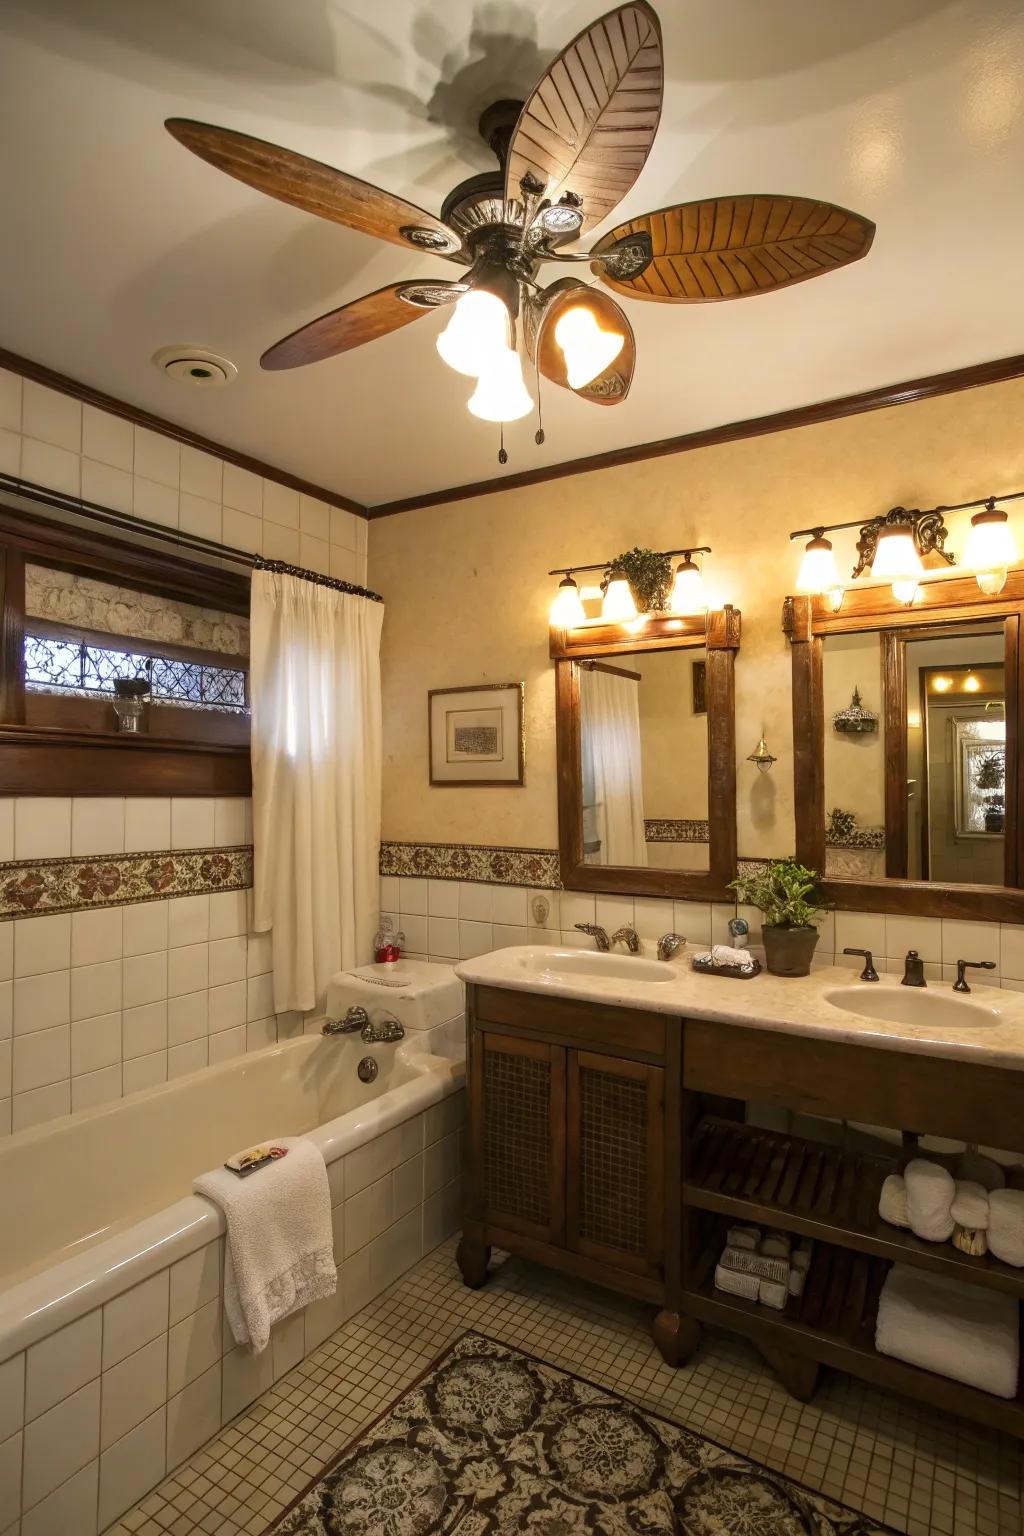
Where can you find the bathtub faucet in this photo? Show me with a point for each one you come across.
(384, 1031)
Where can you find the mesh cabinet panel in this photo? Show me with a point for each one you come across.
(517, 1135)
(613, 1160)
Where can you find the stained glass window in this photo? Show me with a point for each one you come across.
(57, 664)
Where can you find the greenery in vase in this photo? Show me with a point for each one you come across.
(784, 892)
(989, 770)
(649, 576)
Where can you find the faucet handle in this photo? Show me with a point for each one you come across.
(960, 985)
(668, 944)
(868, 973)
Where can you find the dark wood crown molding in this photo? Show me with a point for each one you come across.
(89, 396)
(995, 372)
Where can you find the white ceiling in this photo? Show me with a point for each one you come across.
(114, 241)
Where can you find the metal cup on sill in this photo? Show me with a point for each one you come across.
(130, 695)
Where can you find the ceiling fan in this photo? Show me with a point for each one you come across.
(567, 157)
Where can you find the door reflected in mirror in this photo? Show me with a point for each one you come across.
(644, 760)
(929, 708)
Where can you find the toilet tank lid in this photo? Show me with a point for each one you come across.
(414, 975)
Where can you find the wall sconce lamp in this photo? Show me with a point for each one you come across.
(761, 757)
(990, 548)
(686, 596)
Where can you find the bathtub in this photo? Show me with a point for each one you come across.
(101, 1236)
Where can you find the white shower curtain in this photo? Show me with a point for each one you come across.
(316, 771)
(612, 767)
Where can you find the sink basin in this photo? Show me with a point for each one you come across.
(919, 1006)
(584, 962)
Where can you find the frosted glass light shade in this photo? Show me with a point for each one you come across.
(818, 570)
(476, 333)
(587, 348)
(688, 594)
(567, 609)
(990, 550)
(618, 605)
(896, 557)
(500, 393)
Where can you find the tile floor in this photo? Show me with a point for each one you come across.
(899, 1462)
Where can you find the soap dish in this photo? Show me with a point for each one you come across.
(709, 967)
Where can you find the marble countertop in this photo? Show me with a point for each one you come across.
(993, 1035)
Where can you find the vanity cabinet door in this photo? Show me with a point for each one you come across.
(615, 1161)
(520, 1090)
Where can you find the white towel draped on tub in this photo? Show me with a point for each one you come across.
(949, 1327)
(280, 1246)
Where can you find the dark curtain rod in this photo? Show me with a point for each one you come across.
(602, 565)
(124, 522)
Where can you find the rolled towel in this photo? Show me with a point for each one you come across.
(743, 1237)
(1006, 1225)
(776, 1245)
(759, 1264)
(930, 1191)
(279, 1254)
(970, 1205)
(957, 1330)
(892, 1201)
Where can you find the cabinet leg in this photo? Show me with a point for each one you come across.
(676, 1336)
(798, 1373)
(473, 1257)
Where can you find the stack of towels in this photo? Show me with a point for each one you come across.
(976, 1213)
(280, 1244)
(947, 1326)
(764, 1268)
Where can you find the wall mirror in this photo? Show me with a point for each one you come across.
(905, 728)
(646, 755)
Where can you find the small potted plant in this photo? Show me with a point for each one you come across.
(784, 893)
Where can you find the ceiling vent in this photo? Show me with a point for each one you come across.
(194, 365)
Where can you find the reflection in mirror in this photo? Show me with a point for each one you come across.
(854, 757)
(644, 758)
(956, 757)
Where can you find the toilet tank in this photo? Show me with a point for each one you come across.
(419, 993)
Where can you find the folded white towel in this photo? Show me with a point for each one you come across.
(892, 1201)
(1006, 1225)
(930, 1191)
(776, 1245)
(280, 1246)
(970, 1205)
(735, 1284)
(956, 1330)
(743, 1237)
(773, 1293)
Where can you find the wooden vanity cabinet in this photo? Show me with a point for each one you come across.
(574, 1156)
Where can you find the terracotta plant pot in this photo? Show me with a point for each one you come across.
(788, 951)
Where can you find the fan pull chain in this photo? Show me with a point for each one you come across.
(502, 455)
(538, 436)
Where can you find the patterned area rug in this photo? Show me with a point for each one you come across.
(491, 1442)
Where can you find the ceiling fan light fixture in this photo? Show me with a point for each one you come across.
(588, 348)
(476, 334)
(688, 594)
(500, 393)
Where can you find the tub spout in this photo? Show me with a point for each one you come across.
(355, 1019)
(382, 1031)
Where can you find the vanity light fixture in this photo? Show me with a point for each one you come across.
(761, 757)
(971, 684)
(618, 606)
(688, 594)
(819, 574)
(686, 597)
(990, 548)
(896, 560)
(941, 684)
(567, 609)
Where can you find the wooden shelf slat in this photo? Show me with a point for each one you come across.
(822, 1193)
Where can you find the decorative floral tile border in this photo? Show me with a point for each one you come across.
(669, 829)
(857, 837)
(38, 887)
(472, 861)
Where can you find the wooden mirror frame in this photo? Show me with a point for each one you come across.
(719, 633)
(956, 601)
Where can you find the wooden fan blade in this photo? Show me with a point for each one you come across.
(610, 387)
(373, 315)
(728, 247)
(316, 188)
(590, 123)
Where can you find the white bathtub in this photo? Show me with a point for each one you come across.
(99, 1204)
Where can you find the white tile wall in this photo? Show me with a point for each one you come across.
(97, 1004)
(455, 920)
(53, 440)
(96, 1414)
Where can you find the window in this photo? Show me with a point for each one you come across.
(65, 664)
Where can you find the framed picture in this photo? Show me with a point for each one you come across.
(700, 679)
(476, 734)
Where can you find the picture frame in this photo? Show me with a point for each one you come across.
(476, 735)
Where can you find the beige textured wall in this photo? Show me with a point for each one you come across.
(468, 594)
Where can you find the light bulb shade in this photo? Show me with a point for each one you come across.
(688, 595)
(476, 333)
(567, 609)
(896, 557)
(500, 393)
(990, 550)
(905, 591)
(588, 349)
(618, 605)
(818, 571)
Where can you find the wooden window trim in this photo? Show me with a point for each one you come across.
(65, 745)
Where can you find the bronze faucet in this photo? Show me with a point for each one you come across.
(913, 970)
(629, 937)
